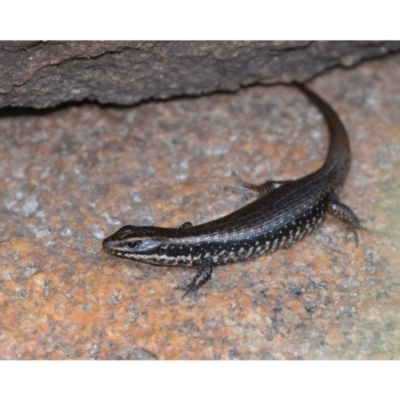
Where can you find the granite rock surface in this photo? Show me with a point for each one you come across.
(45, 74)
(74, 175)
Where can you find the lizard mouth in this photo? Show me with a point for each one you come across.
(112, 246)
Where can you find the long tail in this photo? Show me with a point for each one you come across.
(338, 158)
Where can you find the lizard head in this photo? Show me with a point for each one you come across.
(135, 242)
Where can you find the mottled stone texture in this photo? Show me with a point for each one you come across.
(43, 74)
(74, 175)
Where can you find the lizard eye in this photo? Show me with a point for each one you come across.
(133, 245)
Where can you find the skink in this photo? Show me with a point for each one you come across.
(283, 213)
